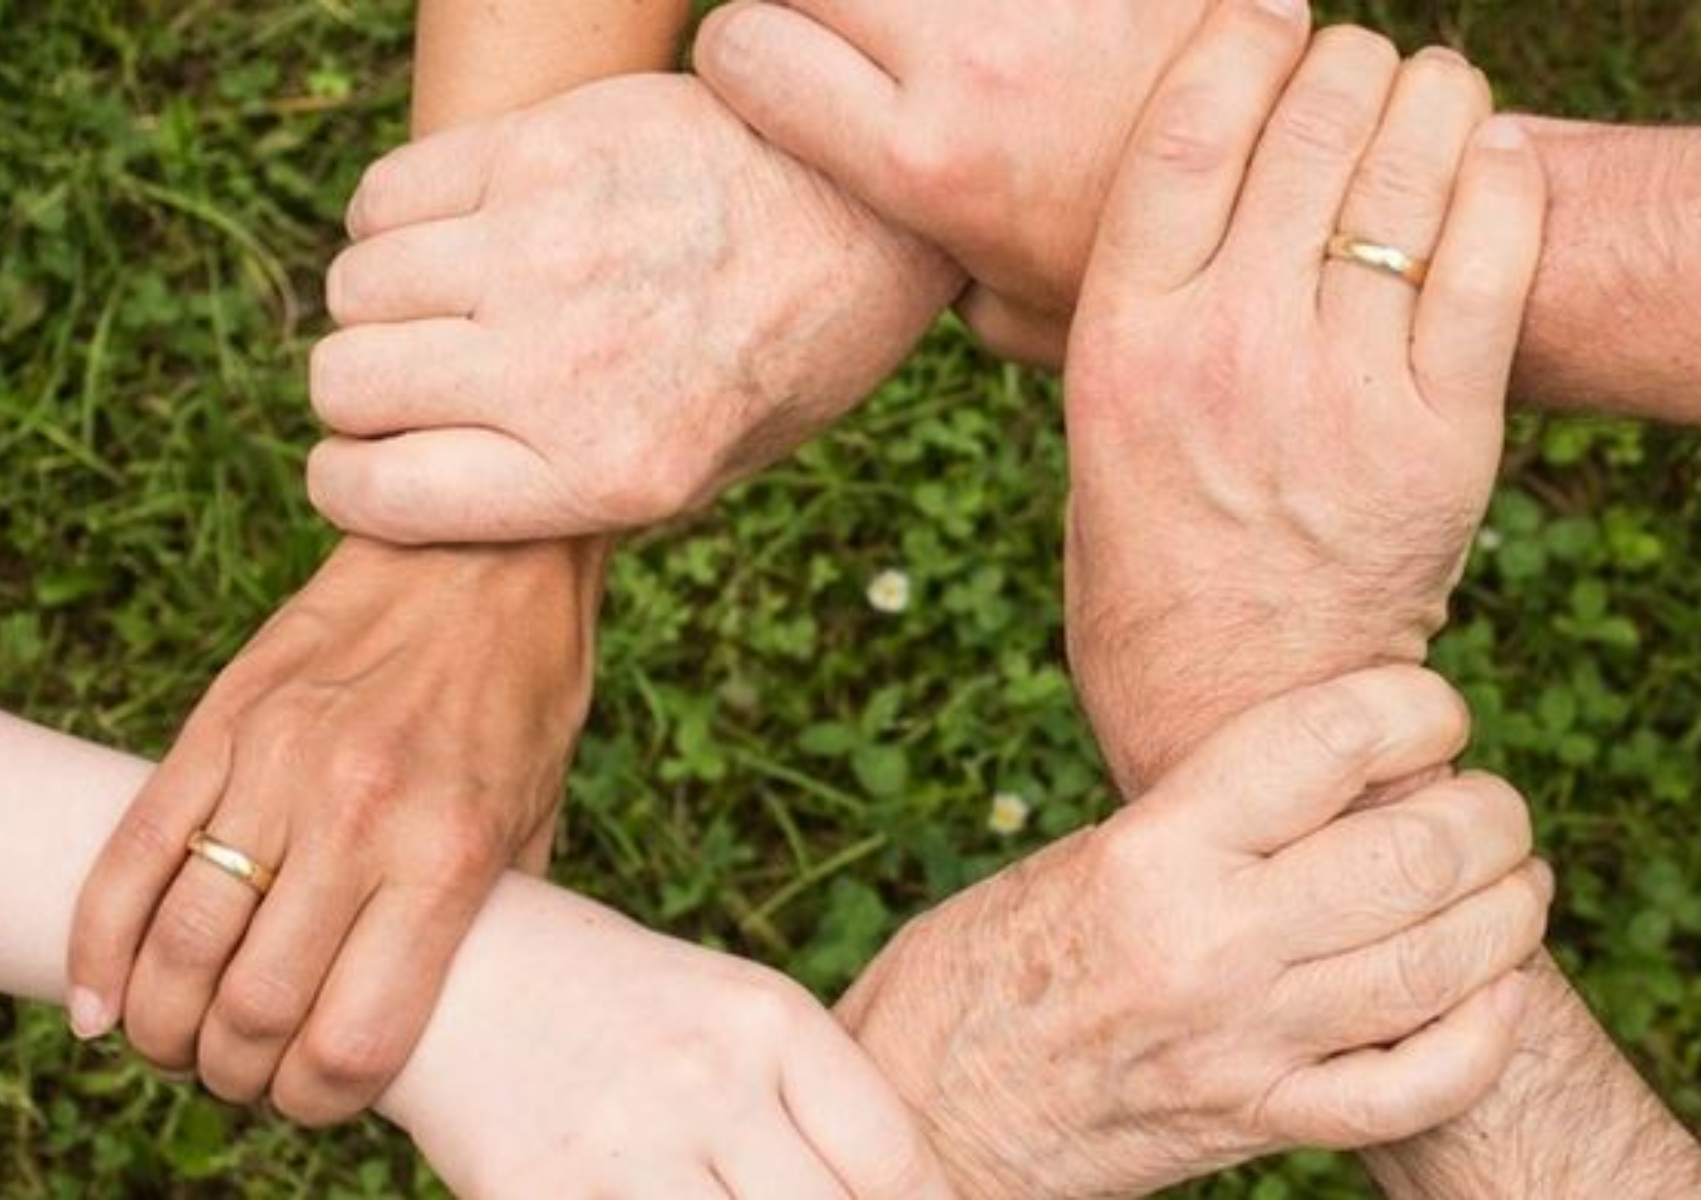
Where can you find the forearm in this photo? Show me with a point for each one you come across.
(1571, 1118)
(480, 60)
(1611, 325)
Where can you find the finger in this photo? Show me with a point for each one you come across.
(1401, 194)
(767, 1159)
(809, 92)
(409, 273)
(270, 986)
(1309, 154)
(882, 31)
(136, 867)
(1383, 993)
(374, 1005)
(1373, 873)
(1016, 332)
(1471, 314)
(1187, 158)
(195, 933)
(1288, 767)
(1370, 1097)
(433, 179)
(856, 1123)
(377, 380)
(461, 485)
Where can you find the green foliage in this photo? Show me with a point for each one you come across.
(774, 766)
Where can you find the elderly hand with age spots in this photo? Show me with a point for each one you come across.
(1240, 964)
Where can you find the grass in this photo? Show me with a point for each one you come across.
(773, 767)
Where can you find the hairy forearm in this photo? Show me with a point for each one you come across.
(1611, 324)
(1571, 1118)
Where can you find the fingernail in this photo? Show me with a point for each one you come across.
(90, 1017)
(1288, 9)
(1511, 997)
(1503, 133)
(1545, 878)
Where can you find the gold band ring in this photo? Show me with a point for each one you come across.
(231, 861)
(1344, 247)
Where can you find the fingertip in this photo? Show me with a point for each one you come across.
(92, 1015)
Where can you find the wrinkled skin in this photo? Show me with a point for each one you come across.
(595, 314)
(1230, 968)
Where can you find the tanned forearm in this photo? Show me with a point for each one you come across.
(1612, 323)
(475, 61)
(480, 60)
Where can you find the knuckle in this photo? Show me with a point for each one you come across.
(1425, 971)
(1443, 60)
(1400, 186)
(369, 778)
(1335, 721)
(190, 933)
(930, 168)
(259, 1007)
(1502, 809)
(372, 195)
(774, 1007)
(996, 62)
(1319, 121)
(341, 280)
(332, 378)
(1428, 864)
(344, 1055)
(1366, 48)
(1185, 134)
(467, 851)
(144, 838)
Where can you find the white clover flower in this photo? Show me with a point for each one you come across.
(1009, 815)
(890, 592)
(1490, 539)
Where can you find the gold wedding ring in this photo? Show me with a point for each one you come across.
(231, 861)
(1344, 247)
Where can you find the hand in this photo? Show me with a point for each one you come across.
(594, 315)
(991, 127)
(1230, 968)
(1278, 462)
(575, 1054)
(390, 741)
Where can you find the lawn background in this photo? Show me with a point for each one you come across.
(773, 767)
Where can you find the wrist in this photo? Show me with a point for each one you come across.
(1155, 687)
(1622, 253)
(1570, 1117)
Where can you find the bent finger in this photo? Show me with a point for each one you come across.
(1187, 159)
(1471, 314)
(1373, 873)
(375, 1004)
(411, 273)
(270, 986)
(379, 380)
(1370, 1097)
(1395, 988)
(136, 868)
(436, 178)
(1283, 770)
(857, 1123)
(451, 485)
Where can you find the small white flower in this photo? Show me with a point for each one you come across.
(1009, 815)
(890, 592)
(1490, 540)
